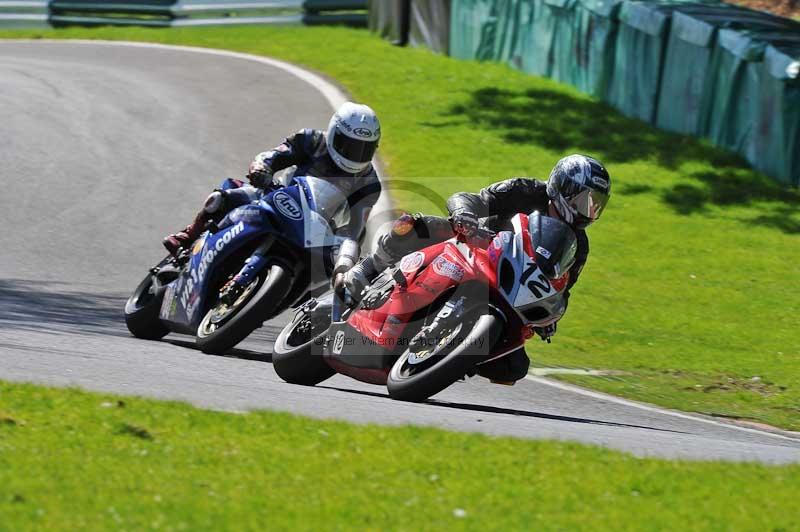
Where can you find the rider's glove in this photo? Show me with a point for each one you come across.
(546, 332)
(259, 174)
(465, 223)
(346, 257)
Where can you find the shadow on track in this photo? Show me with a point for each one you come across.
(244, 354)
(40, 306)
(510, 411)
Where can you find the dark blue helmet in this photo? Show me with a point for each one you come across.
(579, 188)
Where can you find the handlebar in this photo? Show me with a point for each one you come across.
(481, 239)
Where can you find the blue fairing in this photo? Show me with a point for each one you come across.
(282, 212)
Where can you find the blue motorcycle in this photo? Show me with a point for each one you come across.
(256, 262)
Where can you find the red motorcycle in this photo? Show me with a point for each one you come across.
(442, 314)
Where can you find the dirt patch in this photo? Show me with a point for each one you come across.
(784, 8)
(732, 384)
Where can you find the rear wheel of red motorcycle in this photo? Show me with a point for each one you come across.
(297, 354)
(445, 363)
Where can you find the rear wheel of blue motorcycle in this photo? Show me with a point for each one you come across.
(446, 362)
(142, 310)
(223, 328)
(297, 354)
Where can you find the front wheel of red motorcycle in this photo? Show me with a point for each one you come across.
(422, 372)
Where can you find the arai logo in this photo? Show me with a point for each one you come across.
(287, 206)
(362, 132)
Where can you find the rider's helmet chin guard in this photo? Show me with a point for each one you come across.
(352, 138)
(579, 188)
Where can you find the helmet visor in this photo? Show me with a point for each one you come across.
(356, 150)
(589, 204)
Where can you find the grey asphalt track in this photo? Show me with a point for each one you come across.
(105, 149)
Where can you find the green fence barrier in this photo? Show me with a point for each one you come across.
(640, 46)
(569, 40)
(596, 24)
(753, 104)
(777, 130)
(429, 24)
(537, 39)
(684, 95)
(389, 19)
(468, 20)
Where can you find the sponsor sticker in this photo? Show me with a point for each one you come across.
(191, 306)
(444, 267)
(599, 181)
(362, 132)
(168, 303)
(197, 275)
(198, 245)
(411, 263)
(338, 343)
(543, 252)
(247, 214)
(287, 206)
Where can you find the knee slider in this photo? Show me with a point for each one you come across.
(403, 225)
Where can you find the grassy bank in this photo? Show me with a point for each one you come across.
(691, 290)
(71, 460)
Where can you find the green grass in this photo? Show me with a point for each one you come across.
(71, 460)
(692, 285)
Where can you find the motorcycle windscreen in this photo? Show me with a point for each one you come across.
(326, 211)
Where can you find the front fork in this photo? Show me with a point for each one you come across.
(252, 267)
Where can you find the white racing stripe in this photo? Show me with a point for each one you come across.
(786, 435)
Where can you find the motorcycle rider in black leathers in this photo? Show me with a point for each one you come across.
(576, 192)
(341, 155)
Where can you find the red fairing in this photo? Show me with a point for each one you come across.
(527, 246)
(560, 283)
(429, 273)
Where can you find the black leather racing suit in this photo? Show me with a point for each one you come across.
(495, 204)
(500, 201)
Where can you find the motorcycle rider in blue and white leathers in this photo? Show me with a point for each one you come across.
(342, 155)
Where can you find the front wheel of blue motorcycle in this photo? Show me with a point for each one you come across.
(225, 325)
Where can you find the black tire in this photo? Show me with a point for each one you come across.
(262, 303)
(142, 310)
(297, 357)
(448, 365)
